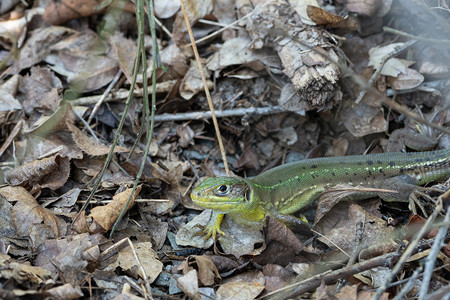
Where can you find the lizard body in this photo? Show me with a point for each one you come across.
(288, 188)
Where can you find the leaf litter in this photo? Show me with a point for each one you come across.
(58, 60)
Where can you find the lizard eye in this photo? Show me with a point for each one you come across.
(223, 188)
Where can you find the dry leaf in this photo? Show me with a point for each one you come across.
(10, 107)
(30, 219)
(89, 145)
(147, 256)
(344, 232)
(277, 231)
(249, 158)
(333, 195)
(192, 83)
(165, 9)
(188, 283)
(186, 135)
(61, 11)
(104, 217)
(434, 69)
(125, 52)
(51, 172)
(207, 271)
(22, 272)
(41, 90)
(236, 51)
(54, 123)
(65, 291)
(300, 7)
(239, 290)
(321, 17)
(195, 9)
(409, 80)
(363, 119)
(38, 46)
(67, 256)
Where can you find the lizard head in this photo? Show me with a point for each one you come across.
(224, 194)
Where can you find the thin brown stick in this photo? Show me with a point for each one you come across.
(105, 93)
(416, 37)
(432, 256)
(328, 277)
(122, 94)
(409, 250)
(208, 95)
(219, 114)
(11, 137)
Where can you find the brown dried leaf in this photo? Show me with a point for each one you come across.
(166, 9)
(290, 100)
(38, 46)
(98, 72)
(344, 232)
(281, 246)
(89, 145)
(207, 271)
(125, 52)
(277, 231)
(65, 291)
(241, 239)
(147, 256)
(192, 83)
(30, 219)
(186, 135)
(249, 158)
(56, 122)
(239, 290)
(104, 217)
(188, 283)
(23, 273)
(41, 90)
(173, 173)
(66, 256)
(236, 51)
(322, 17)
(9, 106)
(51, 172)
(432, 68)
(406, 81)
(333, 195)
(195, 9)
(37, 146)
(59, 12)
(276, 277)
(157, 229)
(174, 57)
(363, 119)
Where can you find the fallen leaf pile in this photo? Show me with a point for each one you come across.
(66, 70)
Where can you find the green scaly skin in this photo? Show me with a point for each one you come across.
(286, 189)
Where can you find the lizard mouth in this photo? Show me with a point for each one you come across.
(213, 203)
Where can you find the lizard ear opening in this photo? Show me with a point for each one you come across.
(247, 194)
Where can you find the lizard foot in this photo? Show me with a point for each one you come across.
(212, 227)
(208, 230)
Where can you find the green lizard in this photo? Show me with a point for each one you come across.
(284, 190)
